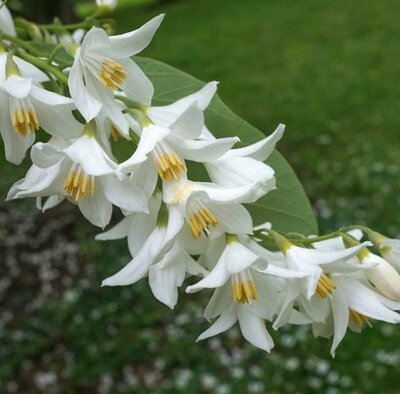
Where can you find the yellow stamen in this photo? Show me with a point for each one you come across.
(325, 286)
(244, 291)
(112, 74)
(25, 121)
(358, 318)
(170, 166)
(200, 220)
(79, 184)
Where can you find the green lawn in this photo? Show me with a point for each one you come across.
(329, 70)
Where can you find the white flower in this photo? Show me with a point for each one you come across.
(251, 318)
(26, 107)
(238, 264)
(6, 20)
(102, 64)
(82, 172)
(160, 255)
(382, 275)
(209, 209)
(314, 262)
(166, 148)
(245, 165)
(317, 265)
(247, 289)
(389, 248)
(352, 304)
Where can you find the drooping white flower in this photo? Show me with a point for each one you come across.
(6, 21)
(167, 148)
(317, 285)
(26, 107)
(247, 289)
(160, 256)
(314, 262)
(245, 165)
(82, 172)
(209, 209)
(251, 318)
(351, 304)
(102, 65)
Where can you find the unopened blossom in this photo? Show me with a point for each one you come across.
(388, 247)
(382, 275)
(106, 5)
(81, 171)
(103, 65)
(25, 107)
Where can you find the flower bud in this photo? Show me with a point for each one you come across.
(383, 276)
(105, 6)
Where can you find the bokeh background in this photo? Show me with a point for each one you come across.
(329, 70)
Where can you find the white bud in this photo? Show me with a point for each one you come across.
(108, 5)
(383, 276)
(390, 250)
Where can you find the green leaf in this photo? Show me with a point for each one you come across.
(62, 57)
(287, 208)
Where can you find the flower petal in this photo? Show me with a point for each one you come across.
(138, 86)
(253, 330)
(88, 105)
(97, 209)
(223, 323)
(124, 194)
(167, 114)
(239, 171)
(139, 266)
(261, 150)
(340, 311)
(189, 124)
(201, 150)
(131, 43)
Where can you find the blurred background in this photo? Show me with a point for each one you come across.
(327, 69)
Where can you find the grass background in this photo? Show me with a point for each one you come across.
(328, 70)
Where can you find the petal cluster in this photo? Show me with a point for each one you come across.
(182, 228)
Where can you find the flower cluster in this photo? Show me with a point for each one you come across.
(177, 227)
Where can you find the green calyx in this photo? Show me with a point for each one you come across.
(162, 218)
(283, 243)
(350, 242)
(11, 67)
(90, 129)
